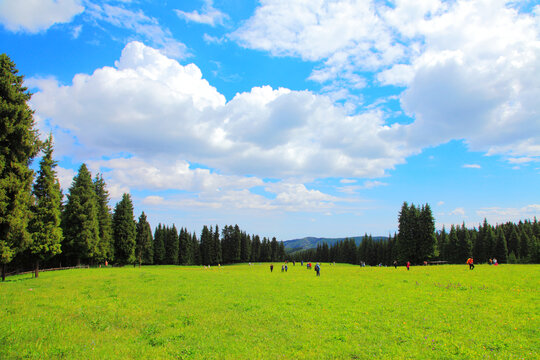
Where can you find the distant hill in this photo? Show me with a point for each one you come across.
(312, 242)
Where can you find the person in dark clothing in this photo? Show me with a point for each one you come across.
(408, 265)
(318, 269)
(271, 267)
(395, 264)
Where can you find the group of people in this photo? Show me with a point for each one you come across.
(284, 268)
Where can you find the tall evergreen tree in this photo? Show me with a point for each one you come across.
(256, 248)
(172, 245)
(464, 245)
(124, 231)
(45, 223)
(425, 233)
(216, 247)
(19, 145)
(206, 246)
(144, 242)
(196, 247)
(105, 246)
(186, 249)
(159, 245)
(80, 218)
(501, 251)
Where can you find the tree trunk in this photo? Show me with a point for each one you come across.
(36, 269)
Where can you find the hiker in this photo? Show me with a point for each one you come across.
(271, 267)
(408, 265)
(285, 267)
(495, 263)
(318, 269)
(282, 268)
(395, 264)
(470, 262)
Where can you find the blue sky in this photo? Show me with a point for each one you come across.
(290, 118)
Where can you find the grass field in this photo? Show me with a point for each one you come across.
(246, 312)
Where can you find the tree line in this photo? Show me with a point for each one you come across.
(417, 241)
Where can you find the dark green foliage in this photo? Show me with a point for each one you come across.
(416, 237)
(500, 251)
(19, 144)
(144, 242)
(80, 218)
(172, 246)
(196, 246)
(463, 246)
(186, 248)
(124, 231)
(216, 248)
(207, 255)
(45, 223)
(256, 248)
(105, 246)
(159, 245)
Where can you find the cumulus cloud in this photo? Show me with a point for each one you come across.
(150, 106)
(209, 15)
(37, 15)
(469, 68)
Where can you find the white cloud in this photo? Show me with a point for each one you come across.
(499, 215)
(458, 211)
(472, 166)
(150, 106)
(440, 203)
(469, 67)
(146, 28)
(34, 16)
(209, 15)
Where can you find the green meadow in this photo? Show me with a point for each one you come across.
(246, 312)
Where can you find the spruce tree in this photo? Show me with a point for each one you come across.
(144, 241)
(105, 246)
(159, 245)
(501, 251)
(256, 248)
(216, 247)
(19, 145)
(464, 245)
(513, 241)
(45, 223)
(172, 246)
(124, 231)
(206, 246)
(80, 218)
(196, 247)
(426, 243)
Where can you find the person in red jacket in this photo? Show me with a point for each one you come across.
(470, 261)
(408, 265)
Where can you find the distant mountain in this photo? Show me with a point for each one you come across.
(312, 242)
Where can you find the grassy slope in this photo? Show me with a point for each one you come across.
(243, 312)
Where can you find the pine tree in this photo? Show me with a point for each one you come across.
(256, 248)
(105, 246)
(172, 246)
(196, 247)
(464, 245)
(206, 246)
(425, 233)
(80, 218)
(124, 231)
(216, 247)
(501, 251)
(513, 241)
(45, 223)
(19, 144)
(143, 239)
(159, 245)
(274, 250)
(186, 251)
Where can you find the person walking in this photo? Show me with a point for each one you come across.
(408, 265)
(318, 269)
(395, 264)
(470, 262)
(271, 267)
